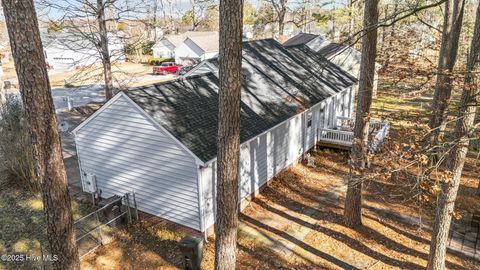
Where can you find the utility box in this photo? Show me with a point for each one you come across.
(89, 183)
(192, 250)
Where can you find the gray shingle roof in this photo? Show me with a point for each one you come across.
(301, 38)
(277, 84)
(332, 49)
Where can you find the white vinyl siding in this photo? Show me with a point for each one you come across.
(163, 48)
(264, 156)
(188, 50)
(126, 151)
(203, 68)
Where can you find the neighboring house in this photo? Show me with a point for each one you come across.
(67, 51)
(247, 33)
(197, 48)
(161, 140)
(344, 56)
(187, 48)
(310, 40)
(165, 47)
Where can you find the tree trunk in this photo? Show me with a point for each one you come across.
(351, 13)
(389, 46)
(40, 114)
(384, 30)
(230, 57)
(478, 189)
(353, 200)
(452, 26)
(2, 91)
(456, 159)
(104, 53)
(281, 20)
(392, 28)
(154, 23)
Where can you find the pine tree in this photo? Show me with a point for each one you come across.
(35, 89)
(358, 156)
(464, 132)
(452, 26)
(230, 60)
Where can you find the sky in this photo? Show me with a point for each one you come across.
(183, 6)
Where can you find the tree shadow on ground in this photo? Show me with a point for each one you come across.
(299, 243)
(328, 212)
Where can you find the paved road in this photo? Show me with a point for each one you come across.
(79, 95)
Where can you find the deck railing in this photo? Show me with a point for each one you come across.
(342, 134)
(336, 137)
(345, 123)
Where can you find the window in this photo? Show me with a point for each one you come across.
(309, 119)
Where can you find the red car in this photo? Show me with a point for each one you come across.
(166, 67)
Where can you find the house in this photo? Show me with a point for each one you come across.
(344, 56)
(186, 48)
(311, 40)
(161, 140)
(67, 51)
(164, 48)
(197, 48)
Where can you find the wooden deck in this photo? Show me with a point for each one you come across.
(341, 136)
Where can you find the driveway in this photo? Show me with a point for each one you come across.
(79, 95)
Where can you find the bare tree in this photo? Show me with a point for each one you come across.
(40, 114)
(306, 13)
(165, 20)
(88, 24)
(359, 158)
(2, 91)
(230, 60)
(478, 189)
(103, 48)
(198, 9)
(452, 25)
(464, 132)
(352, 6)
(280, 7)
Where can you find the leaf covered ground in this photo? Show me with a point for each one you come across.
(296, 222)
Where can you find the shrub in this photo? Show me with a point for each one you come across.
(158, 61)
(147, 48)
(16, 150)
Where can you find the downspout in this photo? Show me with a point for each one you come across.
(304, 126)
(351, 96)
(200, 204)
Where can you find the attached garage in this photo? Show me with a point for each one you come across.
(63, 64)
(160, 140)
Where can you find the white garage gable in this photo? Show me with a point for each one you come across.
(126, 151)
